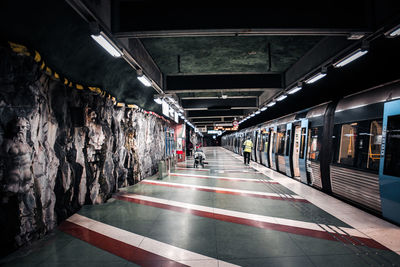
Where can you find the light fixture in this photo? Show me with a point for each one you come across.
(355, 35)
(263, 108)
(315, 78)
(158, 100)
(271, 104)
(252, 115)
(224, 96)
(281, 97)
(394, 32)
(294, 90)
(103, 40)
(350, 57)
(143, 79)
(258, 112)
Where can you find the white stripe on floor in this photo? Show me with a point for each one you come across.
(145, 243)
(217, 177)
(249, 216)
(220, 188)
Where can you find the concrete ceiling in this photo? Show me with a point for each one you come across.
(223, 62)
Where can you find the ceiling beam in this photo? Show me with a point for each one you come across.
(130, 19)
(238, 32)
(210, 103)
(217, 97)
(182, 91)
(223, 81)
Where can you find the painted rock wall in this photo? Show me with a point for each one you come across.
(62, 148)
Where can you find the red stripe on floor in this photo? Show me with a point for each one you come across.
(225, 179)
(277, 227)
(221, 191)
(116, 247)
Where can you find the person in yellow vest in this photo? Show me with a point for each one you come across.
(247, 146)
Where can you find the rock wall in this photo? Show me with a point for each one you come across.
(62, 148)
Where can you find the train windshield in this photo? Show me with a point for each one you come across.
(392, 149)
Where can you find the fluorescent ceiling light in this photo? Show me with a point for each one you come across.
(263, 108)
(224, 96)
(143, 79)
(271, 104)
(158, 100)
(294, 90)
(258, 112)
(252, 115)
(315, 78)
(349, 58)
(281, 97)
(107, 44)
(394, 32)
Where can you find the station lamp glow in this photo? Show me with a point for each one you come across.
(350, 58)
(315, 78)
(158, 100)
(281, 97)
(143, 79)
(294, 90)
(102, 39)
(394, 32)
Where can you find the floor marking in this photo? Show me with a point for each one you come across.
(229, 191)
(132, 247)
(192, 169)
(253, 180)
(260, 221)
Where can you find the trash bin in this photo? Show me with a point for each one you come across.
(161, 169)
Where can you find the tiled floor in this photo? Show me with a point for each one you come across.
(223, 215)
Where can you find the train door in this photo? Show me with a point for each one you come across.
(253, 150)
(272, 148)
(389, 168)
(264, 147)
(288, 151)
(296, 151)
(260, 146)
(303, 151)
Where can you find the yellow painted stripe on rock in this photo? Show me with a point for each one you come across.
(37, 57)
(20, 49)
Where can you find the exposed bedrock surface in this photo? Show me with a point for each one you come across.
(62, 148)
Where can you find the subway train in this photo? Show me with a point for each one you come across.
(348, 148)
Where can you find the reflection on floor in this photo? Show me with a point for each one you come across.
(226, 214)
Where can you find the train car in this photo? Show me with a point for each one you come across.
(348, 148)
(360, 148)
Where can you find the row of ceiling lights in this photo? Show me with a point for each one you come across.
(104, 41)
(394, 32)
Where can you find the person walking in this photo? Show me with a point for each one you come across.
(247, 146)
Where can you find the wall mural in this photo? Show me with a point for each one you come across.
(62, 148)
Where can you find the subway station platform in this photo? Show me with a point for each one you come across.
(226, 214)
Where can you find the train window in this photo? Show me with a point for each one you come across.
(302, 143)
(358, 144)
(265, 140)
(287, 142)
(260, 143)
(392, 149)
(280, 145)
(347, 144)
(314, 143)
